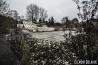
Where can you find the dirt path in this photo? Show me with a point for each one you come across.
(6, 55)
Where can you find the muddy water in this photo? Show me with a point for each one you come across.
(52, 36)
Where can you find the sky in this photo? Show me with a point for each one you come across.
(56, 8)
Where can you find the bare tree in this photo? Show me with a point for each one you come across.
(32, 12)
(84, 45)
(42, 14)
(87, 9)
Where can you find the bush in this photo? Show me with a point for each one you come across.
(6, 23)
(45, 52)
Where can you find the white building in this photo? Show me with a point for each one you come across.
(30, 26)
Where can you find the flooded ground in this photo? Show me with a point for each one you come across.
(52, 36)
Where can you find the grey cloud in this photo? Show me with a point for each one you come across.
(56, 8)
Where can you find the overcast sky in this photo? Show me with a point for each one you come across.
(56, 8)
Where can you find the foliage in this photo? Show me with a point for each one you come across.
(25, 49)
(6, 23)
(3, 7)
(84, 45)
(39, 52)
